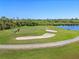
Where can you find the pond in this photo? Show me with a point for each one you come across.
(69, 27)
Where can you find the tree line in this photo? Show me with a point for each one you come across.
(8, 23)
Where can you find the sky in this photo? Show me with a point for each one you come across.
(40, 9)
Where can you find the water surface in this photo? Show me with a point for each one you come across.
(69, 27)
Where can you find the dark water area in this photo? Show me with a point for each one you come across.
(69, 27)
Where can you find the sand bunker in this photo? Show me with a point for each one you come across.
(46, 35)
(51, 31)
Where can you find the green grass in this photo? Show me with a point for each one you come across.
(70, 51)
(8, 36)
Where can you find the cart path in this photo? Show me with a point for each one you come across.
(41, 45)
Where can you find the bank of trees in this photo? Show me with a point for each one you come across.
(8, 23)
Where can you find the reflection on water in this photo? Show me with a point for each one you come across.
(69, 27)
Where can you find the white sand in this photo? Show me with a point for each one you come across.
(51, 31)
(46, 35)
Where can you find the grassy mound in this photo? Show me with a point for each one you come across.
(9, 37)
(70, 51)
